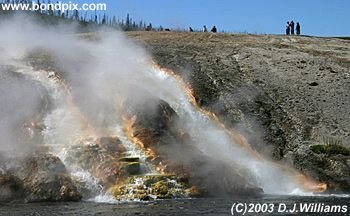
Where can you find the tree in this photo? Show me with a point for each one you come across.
(50, 8)
(114, 21)
(104, 19)
(58, 11)
(127, 22)
(140, 27)
(76, 15)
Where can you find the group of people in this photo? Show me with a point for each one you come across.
(212, 29)
(205, 29)
(290, 28)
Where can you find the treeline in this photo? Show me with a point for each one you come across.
(85, 18)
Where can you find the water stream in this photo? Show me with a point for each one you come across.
(63, 128)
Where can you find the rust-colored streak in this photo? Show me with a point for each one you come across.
(310, 185)
(129, 131)
(86, 127)
(235, 137)
(304, 182)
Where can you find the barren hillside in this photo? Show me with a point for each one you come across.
(288, 95)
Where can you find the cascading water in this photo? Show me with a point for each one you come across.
(215, 140)
(63, 128)
(133, 151)
(100, 74)
(61, 121)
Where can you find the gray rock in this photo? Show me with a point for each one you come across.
(11, 188)
(45, 178)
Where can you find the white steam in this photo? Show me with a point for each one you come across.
(102, 73)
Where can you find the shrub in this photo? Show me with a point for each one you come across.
(330, 149)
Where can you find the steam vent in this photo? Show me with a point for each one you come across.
(165, 115)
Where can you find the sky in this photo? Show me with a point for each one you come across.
(317, 17)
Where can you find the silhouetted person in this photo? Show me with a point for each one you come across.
(149, 27)
(191, 30)
(288, 29)
(297, 28)
(214, 29)
(292, 27)
(205, 29)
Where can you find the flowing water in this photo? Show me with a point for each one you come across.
(203, 126)
(64, 128)
(112, 69)
(215, 140)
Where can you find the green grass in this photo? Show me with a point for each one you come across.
(330, 149)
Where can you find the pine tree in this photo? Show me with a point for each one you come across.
(104, 19)
(114, 21)
(140, 25)
(76, 15)
(50, 9)
(127, 22)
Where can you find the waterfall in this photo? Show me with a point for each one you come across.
(63, 128)
(88, 88)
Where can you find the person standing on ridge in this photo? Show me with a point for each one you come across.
(288, 28)
(214, 29)
(297, 28)
(205, 29)
(292, 27)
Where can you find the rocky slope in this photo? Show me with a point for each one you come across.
(288, 95)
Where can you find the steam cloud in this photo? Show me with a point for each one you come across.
(102, 72)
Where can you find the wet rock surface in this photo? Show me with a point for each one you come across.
(23, 103)
(28, 172)
(46, 179)
(282, 93)
(173, 151)
(333, 169)
(99, 157)
(37, 178)
(11, 188)
(150, 187)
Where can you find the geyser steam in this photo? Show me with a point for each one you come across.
(101, 74)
